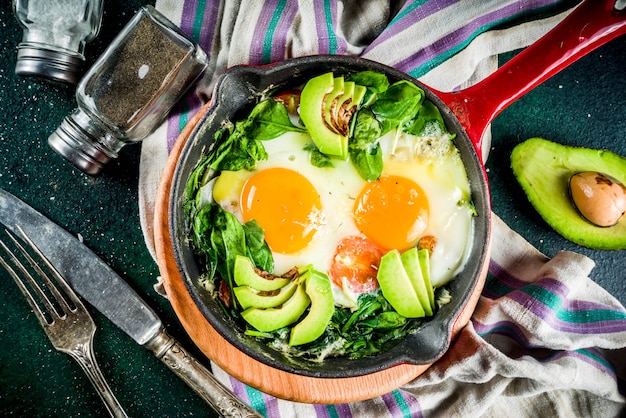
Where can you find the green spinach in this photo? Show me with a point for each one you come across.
(397, 105)
(427, 114)
(375, 82)
(365, 153)
(240, 146)
(374, 327)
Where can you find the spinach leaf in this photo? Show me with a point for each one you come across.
(375, 82)
(221, 237)
(372, 328)
(258, 250)
(368, 162)
(397, 105)
(317, 158)
(428, 113)
(194, 183)
(366, 130)
(267, 120)
(240, 147)
(235, 150)
(365, 152)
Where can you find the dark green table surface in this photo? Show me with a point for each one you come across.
(585, 105)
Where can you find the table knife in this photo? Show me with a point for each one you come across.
(106, 291)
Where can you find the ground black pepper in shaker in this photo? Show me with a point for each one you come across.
(128, 91)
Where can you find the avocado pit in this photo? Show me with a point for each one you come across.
(599, 198)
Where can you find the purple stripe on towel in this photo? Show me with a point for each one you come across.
(512, 330)
(188, 16)
(321, 411)
(464, 33)
(555, 286)
(412, 403)
(392, 405)
(271, 405)
(525, 298)
(409, 19)
(173, 130)
(209, 22)
(258, 38)
(239, 389)
(279, 48)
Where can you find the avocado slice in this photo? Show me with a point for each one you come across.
(397, 287)
(317, 286)
(271, 319)
(313, 111)
(330, 102)
(411, 263)
(423, 256)
(543, 169)
(340, 111)
(246, 275)
(249, 297)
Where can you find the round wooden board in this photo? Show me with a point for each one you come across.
(272, 381)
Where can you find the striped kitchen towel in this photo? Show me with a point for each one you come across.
(545, 340)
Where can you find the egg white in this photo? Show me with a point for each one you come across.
(431, 162)
(337, 187)
(435, 164)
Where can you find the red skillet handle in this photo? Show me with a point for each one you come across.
(592, 24)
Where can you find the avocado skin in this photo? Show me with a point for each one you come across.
(543, 169)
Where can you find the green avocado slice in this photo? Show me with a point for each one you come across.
(411, 263)
(424, 259)
(313, 114)
(330, 102)
(322, 308)
(543, 169)
(248, 297)
(271, 319)
(245, 275)
(397, 287)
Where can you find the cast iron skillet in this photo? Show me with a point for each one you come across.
(466, 114)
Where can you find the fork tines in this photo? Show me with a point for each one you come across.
(44, 290)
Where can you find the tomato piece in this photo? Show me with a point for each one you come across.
(356, 260)
(291, 100)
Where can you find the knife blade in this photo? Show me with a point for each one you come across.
(106, 291)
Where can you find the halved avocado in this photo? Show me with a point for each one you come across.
(322, 308)
(411, 263)
(249, 297)
(271, 319)
(397, 287)
(246, 275)
(543, 169)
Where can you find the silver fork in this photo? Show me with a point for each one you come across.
(66, 321)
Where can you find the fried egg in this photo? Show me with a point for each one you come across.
(307, 211)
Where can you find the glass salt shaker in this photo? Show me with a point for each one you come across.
(128, 91)
(54, 37)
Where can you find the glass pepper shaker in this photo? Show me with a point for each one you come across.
(54, 38)
(128, 91)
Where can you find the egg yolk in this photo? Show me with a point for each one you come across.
(286, 206)
(392, 212)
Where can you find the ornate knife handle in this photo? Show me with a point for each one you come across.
(170, 352)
